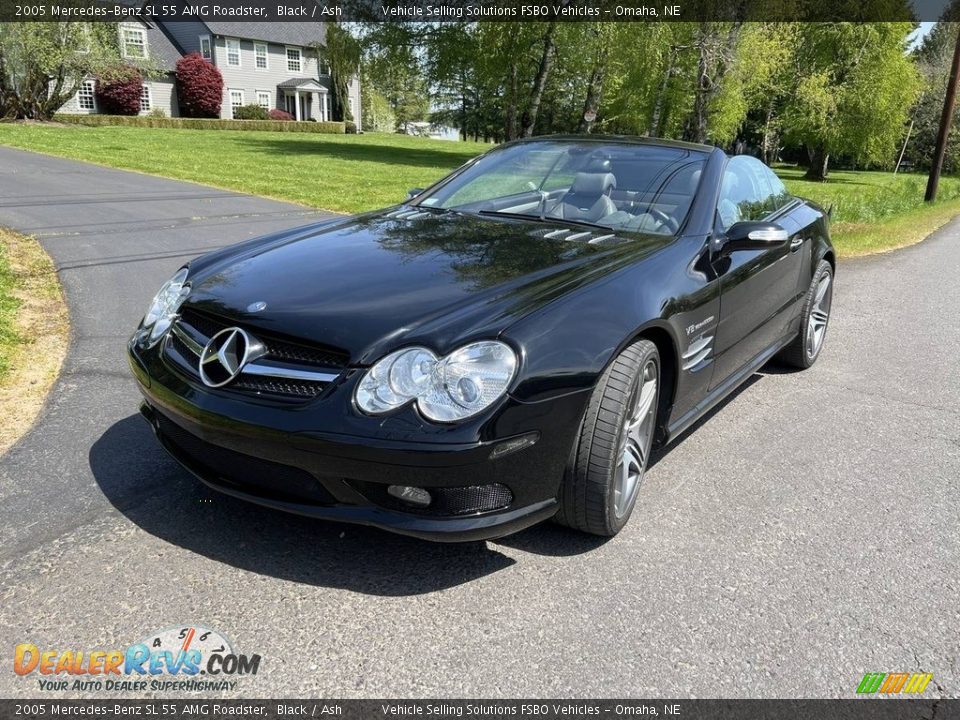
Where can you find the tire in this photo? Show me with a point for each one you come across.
(805, 348)
(597, 495)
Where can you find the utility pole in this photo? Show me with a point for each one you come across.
(946, 120)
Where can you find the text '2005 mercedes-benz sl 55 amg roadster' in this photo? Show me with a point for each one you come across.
(505, 347)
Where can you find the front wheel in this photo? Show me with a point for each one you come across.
(805, 349)
(601, 486)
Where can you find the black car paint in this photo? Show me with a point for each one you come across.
(374, 283)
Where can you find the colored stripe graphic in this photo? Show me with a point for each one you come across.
(893, 683)
(871, 682)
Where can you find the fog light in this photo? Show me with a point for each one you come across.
(410, 495)
(514, 444)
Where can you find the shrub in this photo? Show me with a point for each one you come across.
(118, 90)
(350, 127)
(280, 115)
(250, 112)
(328, 128)
(157, 112)
(199, 87)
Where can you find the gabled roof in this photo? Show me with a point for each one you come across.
(302, 84)
(161, 48)
(282, 33)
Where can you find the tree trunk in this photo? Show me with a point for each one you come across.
(510, 124)
(655, 129)
(767, 149)
(819, 158)
(540, 81)
(594, 92)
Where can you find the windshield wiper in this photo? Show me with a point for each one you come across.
(545, 219)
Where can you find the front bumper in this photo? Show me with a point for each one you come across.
(277, 457)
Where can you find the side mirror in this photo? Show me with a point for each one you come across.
(413, 192)
(752, 236)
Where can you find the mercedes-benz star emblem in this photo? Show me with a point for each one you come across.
(225, 355)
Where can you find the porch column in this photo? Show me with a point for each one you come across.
(296, 96)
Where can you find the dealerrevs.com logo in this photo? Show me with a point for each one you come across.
(187, 657)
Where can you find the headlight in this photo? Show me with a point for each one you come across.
(447, 389)
(165, 304)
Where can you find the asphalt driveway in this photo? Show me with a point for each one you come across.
(807, 534)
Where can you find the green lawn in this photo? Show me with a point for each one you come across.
(8, 309)
(872, 211)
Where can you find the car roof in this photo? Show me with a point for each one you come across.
(625, 139)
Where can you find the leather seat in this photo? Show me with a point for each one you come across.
(588, 198)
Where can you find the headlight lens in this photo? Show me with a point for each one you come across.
(165, 304)
(447, 389)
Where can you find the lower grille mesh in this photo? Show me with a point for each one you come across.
(249, 474)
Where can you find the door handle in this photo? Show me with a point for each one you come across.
(796, 243)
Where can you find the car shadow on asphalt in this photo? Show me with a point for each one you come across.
(148, 487)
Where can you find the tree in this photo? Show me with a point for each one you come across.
(42, 64)
(855, 85)
(119, 89)
(341, 51)
(199, 87)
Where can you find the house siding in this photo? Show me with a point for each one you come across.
(163, 95)
(249, 79)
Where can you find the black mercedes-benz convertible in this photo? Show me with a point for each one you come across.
(505, 347)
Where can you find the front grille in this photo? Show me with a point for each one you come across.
(279, 386)
(445, 501)
(278, 349)
(246, 473)
(283, 356)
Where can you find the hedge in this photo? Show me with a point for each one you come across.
(329, 128)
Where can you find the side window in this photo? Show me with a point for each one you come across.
(745, 191)
(780, 196)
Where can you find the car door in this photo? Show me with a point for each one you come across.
(758, 287)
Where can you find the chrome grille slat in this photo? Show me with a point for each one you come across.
(287, 370)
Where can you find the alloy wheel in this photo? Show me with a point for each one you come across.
(819, 316)
(636, 440)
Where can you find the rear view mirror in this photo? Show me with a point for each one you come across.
(753, 236)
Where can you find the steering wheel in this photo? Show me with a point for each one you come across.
(664, 219)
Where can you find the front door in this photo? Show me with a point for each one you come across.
(758, 288)
(290, 105)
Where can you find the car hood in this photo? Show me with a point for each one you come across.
(372, 283)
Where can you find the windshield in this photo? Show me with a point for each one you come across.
(621, 186)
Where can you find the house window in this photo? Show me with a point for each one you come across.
(263, 99)
(294, 60)
(324, 70)
(205, 47)
(145, 99)
(85, 96)
(134, 43)
(233, 52)
(260, 53)
(236, 100)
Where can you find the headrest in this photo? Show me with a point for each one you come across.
(694, 180)
(593, 183)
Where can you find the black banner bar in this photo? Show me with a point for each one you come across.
(202, 709)
(472, 10)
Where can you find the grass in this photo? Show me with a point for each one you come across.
(33, 332)
(875, 211)
(345, 173)
(9, 338)
(872, 211)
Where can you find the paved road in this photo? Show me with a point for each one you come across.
(808, 533)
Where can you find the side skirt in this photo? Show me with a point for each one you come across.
(684, 422)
